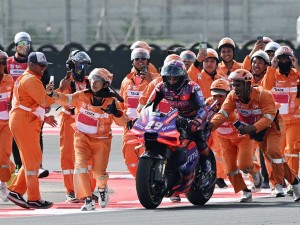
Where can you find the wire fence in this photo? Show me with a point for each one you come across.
(163, 22)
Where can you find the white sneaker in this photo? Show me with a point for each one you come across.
(89, 205)
(43, 173)
(290, 190)
(3, 191)
(246, 196)
(103, 196)
(296, 190)
(277, 191)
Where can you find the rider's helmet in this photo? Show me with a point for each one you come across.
(78, 62)
(22, 42)
(101, 74)
(241, 75)
(174, 69)
(140, 44)
(172, 57)
(220, 87)
(188, 55)
(226, 42)
(262, 55)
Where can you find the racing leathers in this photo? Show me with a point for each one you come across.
(190, 104)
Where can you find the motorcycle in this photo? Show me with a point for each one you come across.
(170, 163)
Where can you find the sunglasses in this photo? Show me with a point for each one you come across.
(137, 59)
(22, 43)
(3, 62)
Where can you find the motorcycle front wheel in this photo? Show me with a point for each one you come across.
(148, 190)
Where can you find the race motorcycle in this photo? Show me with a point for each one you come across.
(170, 163)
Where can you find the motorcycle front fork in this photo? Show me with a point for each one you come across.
(160, 169)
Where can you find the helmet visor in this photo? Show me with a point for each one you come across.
(172, 70)
(23, 43)
(140, 55)
(96, 77)
(81, 66)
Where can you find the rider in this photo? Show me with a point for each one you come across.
(148, 90)
(186, 96)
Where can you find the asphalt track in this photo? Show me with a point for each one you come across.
(124, 208)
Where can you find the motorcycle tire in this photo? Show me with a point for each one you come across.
(199, 196)
(148, 192)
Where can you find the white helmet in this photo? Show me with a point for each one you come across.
(272, 46)
(261, 54)
(140, 53)
(22, 36)
(188, 55)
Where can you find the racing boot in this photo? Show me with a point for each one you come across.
(175, 198)
(205, 164)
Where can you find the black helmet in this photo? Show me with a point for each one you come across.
(174, 68)
(78, 62)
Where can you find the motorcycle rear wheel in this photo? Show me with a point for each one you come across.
(149, 192)
(199, 196)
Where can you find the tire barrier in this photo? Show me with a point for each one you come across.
(117, 61)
